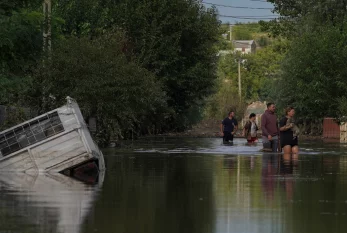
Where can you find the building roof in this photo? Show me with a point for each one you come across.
(243, 43)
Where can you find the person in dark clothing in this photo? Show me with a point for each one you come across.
(269, 127)
(228, 127)
(289, 140)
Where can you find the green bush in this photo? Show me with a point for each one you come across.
(120, 94)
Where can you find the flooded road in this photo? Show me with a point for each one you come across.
(187, 185)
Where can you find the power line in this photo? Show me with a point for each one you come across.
(258, 1)
(258, 16)
(239, 7)
(246, 17)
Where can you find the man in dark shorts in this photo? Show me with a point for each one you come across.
(228, 127)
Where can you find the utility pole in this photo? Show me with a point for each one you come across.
(47, 26)
(239, 66)
(231, 31)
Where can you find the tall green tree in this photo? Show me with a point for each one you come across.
(20, 46)
(174, 39)
(294, 15)
(314, 73)
(263, 68)
(125, 98)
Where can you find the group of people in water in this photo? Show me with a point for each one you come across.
(275, 137)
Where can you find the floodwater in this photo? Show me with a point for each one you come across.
(187, 185)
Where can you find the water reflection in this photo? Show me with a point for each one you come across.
(178, 186)
(278, 168)
(292, 192)
(44, 203)
(172, 188)
(155, 194)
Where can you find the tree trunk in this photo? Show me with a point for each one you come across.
(47, 26)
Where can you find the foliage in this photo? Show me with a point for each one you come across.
(241, 33)
(20, 46)
(173, 39)
(295, 14)
(14, 114)
(259, 74)
(21, 41)
(12, 89)
(7, 7)
(224, 42)
(314, 74)
(119, 93)
(222, 102)
(342, 109)
(263, 41)
(166, 56)
(262, 69)
(226, 97)
(245, 31)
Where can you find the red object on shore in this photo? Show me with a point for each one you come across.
(330, 128)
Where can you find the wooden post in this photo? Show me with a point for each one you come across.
(239, 67)
(231, 31)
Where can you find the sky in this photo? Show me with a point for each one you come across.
(242, 12)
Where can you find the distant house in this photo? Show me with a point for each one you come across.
(244, 46)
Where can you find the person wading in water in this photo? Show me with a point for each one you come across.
(270, 129)
(228, 128)
(250, 129)
(289, 132)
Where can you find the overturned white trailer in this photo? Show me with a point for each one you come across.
(57, 141)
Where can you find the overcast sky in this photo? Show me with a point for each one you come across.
(239, 12)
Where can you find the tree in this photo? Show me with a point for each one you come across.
(314, 74)
(119, 93)
(295, 14)
(174, 42)
(226, 97)
(245, 31)
(20, 47)
(263, 68)
(173, 39)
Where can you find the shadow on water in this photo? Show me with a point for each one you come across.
(189, 185)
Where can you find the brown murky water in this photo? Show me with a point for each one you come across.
(187, 185)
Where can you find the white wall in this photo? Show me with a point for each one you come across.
(247, 50)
